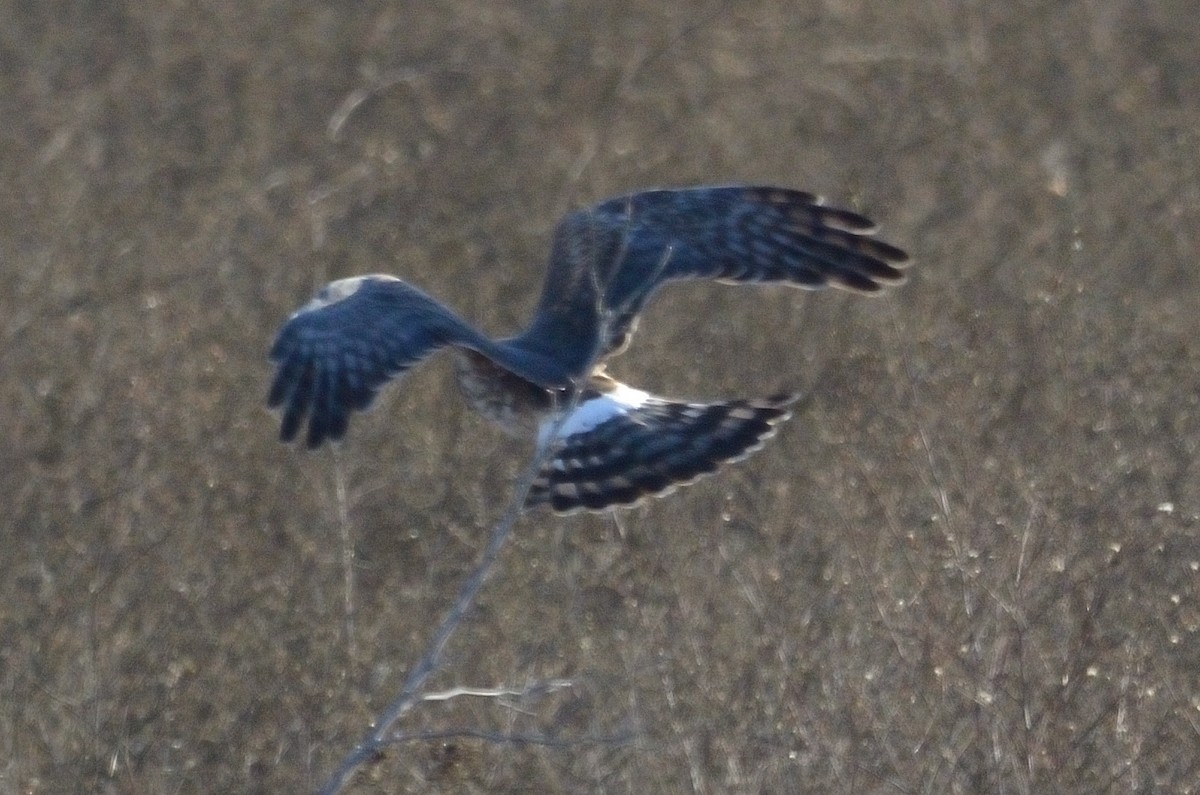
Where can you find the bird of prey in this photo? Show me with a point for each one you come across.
(610, 445)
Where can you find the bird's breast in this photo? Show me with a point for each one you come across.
(513, 403)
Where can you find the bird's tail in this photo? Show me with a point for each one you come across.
(613, 453)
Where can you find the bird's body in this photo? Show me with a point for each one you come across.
(619, 444)
(516, 405)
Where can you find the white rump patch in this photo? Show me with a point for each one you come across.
(596, 411)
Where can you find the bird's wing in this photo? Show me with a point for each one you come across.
(616, 449)
(335, 353)
(608, 260)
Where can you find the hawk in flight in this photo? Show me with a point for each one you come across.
(612, 444)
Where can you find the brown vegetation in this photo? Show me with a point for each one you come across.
(970, 564)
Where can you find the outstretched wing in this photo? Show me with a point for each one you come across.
(618, 448)
(334, 354)
(607, 261)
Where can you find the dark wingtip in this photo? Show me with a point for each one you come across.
(289, 426)
(896, 257)
(277, 392)
(276, 355)
(864, 284)
(846, 220)
(782, 399)
(782, 196)
(315, 438)
(326, 425)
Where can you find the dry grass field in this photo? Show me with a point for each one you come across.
(970, 564)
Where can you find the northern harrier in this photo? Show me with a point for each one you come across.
(619, 444)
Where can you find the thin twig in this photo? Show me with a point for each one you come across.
(536, 688)
(622, 738)
(347, 542)
(371, 747)
(360, 95)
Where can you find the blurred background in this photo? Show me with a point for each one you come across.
(971, 562)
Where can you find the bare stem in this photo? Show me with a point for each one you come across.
(371, 747)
